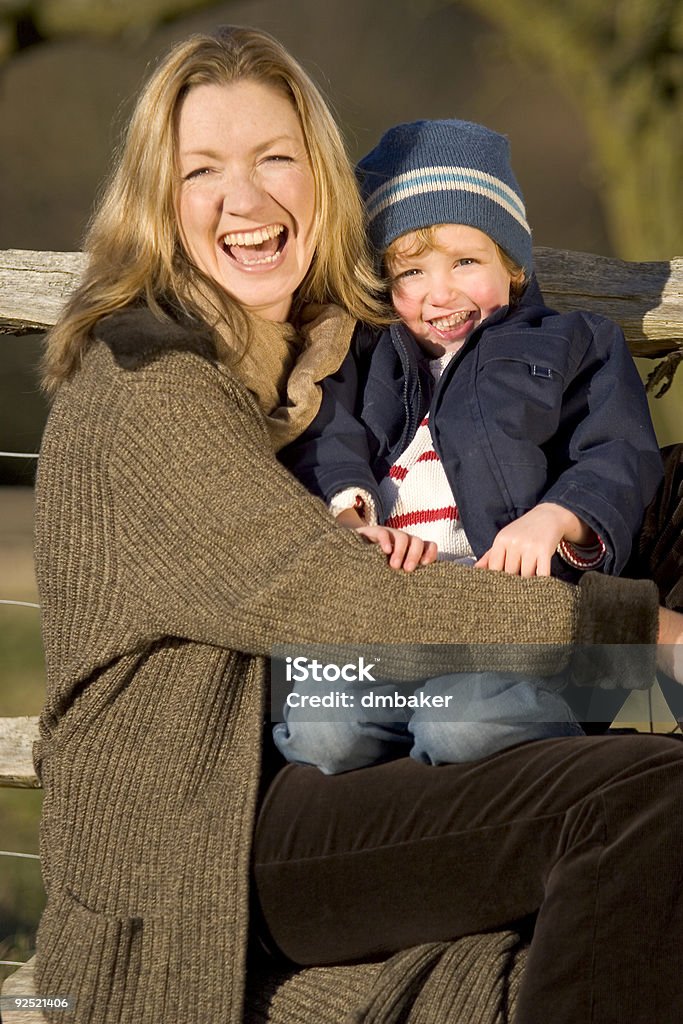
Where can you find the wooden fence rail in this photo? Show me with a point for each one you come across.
(16, 742)
(645, 298)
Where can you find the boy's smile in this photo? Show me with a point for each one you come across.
(443, 293)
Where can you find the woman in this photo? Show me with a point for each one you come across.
(174, 553)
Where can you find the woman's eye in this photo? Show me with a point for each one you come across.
(198, 172)
(280, 158)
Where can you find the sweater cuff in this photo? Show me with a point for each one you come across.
(616, 633)
(354, 497)
(580, 557)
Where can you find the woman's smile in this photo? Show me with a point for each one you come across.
(252, 249)
(247, 196)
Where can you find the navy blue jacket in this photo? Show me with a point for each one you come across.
(536, 406)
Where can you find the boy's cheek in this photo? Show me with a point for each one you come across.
(404, 306)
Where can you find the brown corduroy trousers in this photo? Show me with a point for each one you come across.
(580, 839)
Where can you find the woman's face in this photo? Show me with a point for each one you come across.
(247, 196)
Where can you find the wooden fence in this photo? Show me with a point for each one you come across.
(646, 299)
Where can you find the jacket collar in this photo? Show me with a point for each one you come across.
(137, 337)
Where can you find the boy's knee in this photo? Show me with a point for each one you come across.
(333, 747)
(453, 742)
(448, 742)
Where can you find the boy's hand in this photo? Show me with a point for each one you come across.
(405, 551)
(525, 547)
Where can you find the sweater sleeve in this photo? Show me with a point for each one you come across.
(216, 542)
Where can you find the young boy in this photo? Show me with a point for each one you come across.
(510, 436)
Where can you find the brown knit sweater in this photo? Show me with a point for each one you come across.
(172, 553)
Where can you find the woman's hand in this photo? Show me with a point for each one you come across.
(404, 551)
(525, 547)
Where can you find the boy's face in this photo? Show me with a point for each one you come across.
(444, 293)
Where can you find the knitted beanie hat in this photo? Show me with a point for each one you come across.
(444, 172)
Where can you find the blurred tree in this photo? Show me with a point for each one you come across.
(621, 61)
(24, 23)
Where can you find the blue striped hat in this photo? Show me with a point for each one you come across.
(444, 172)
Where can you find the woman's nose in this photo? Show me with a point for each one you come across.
(242, 194)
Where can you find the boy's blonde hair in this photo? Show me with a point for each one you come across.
(423, 239)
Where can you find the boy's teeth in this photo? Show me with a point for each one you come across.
(253, 237)
(444, 322)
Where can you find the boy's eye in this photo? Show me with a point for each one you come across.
(404, 274)
(465, 261)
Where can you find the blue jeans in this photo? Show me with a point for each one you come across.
(454, 719)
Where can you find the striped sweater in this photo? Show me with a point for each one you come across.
(418, 496)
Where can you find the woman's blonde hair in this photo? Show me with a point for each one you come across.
(133, 241)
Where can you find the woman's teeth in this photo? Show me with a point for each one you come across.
(253, 237)
(444, 323)
(255, 247)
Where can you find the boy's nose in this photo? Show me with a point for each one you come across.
(442, 292)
